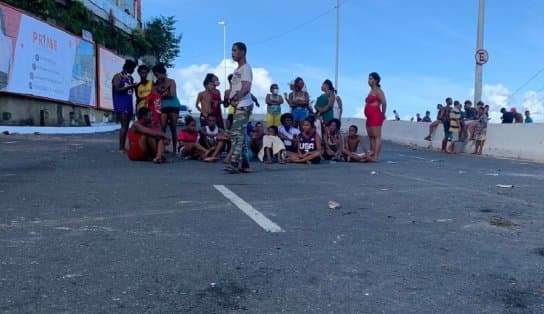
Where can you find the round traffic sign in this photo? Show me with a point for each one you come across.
(482, 56)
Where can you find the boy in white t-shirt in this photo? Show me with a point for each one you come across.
(240, 98)
(288, 133)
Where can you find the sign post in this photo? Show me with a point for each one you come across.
(481, 54)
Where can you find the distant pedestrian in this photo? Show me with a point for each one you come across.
(507, 116)
(481, 131)
(427, 117)
(240, 99)
(397, 116)
(375, 109)
(436, 123)
(455, 127)
(122, 91)
(446, 123)
(528, 118)
(418, 118)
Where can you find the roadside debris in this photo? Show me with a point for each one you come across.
(505, 186)
(334, 205)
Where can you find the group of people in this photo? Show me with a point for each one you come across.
(461, 123)
(305, 134)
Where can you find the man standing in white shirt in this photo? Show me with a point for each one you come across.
(240, 99)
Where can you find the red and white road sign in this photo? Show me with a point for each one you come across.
(481, 56)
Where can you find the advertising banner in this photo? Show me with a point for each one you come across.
(40, 60)
(109, 65)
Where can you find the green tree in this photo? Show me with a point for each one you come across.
(160, 33)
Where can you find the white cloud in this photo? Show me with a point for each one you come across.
(189, 81)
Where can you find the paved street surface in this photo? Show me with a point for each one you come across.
(83, 230)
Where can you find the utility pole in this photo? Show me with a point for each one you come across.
(337, 42)
(225, 81)
(479, 47)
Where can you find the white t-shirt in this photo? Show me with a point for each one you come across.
(245, 74)
(292, 133)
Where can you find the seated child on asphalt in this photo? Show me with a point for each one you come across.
(188, 141)
(146, 142)
(288, 133)
(332, 141)
(351, 144)
(309, 145)
(214, 139)
(272, 147)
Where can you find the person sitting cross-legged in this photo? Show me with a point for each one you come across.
(146, 143)
(309, 145)
(188, 141)
(272, 147)
(213, 138)
(351, 144)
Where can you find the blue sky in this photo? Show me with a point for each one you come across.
(424, 50)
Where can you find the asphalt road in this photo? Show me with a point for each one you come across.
(83, 230)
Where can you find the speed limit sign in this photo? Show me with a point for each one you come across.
(481, 56)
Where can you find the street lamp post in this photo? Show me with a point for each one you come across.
(479, 46)
(224, 24)
(225, 82)
(337, 43)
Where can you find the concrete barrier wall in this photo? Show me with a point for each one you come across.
(520, 141)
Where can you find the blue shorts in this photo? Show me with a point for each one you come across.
(299, 113)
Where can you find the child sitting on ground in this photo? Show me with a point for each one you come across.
(332, 141)
(188, 141)
(272, 147)
(351, 144)
(288, 133)
(146, 142)
(213, 139)
(481, 131)
(309, 145)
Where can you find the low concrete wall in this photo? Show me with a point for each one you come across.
(520, 141)
(19, 110)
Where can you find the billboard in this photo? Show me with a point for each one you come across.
(40, 60)
(109, 64)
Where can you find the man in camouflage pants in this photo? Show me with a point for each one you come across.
(242, 101)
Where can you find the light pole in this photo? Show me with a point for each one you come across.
(337, 43)
(479, 46)
(225, 82)
(224, 24)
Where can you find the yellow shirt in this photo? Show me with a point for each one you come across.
(142, 91)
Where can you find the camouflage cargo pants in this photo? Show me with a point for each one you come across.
(238, 137)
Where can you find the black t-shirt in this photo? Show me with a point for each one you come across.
(508, 117)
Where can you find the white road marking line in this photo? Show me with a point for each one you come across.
(265, 223)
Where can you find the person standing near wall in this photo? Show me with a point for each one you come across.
(240, 99)
(122, 94)
(375, 108)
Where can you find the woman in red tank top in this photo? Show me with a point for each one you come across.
(375, 106)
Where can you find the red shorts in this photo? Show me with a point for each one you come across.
(374, 116)
(135, 152)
